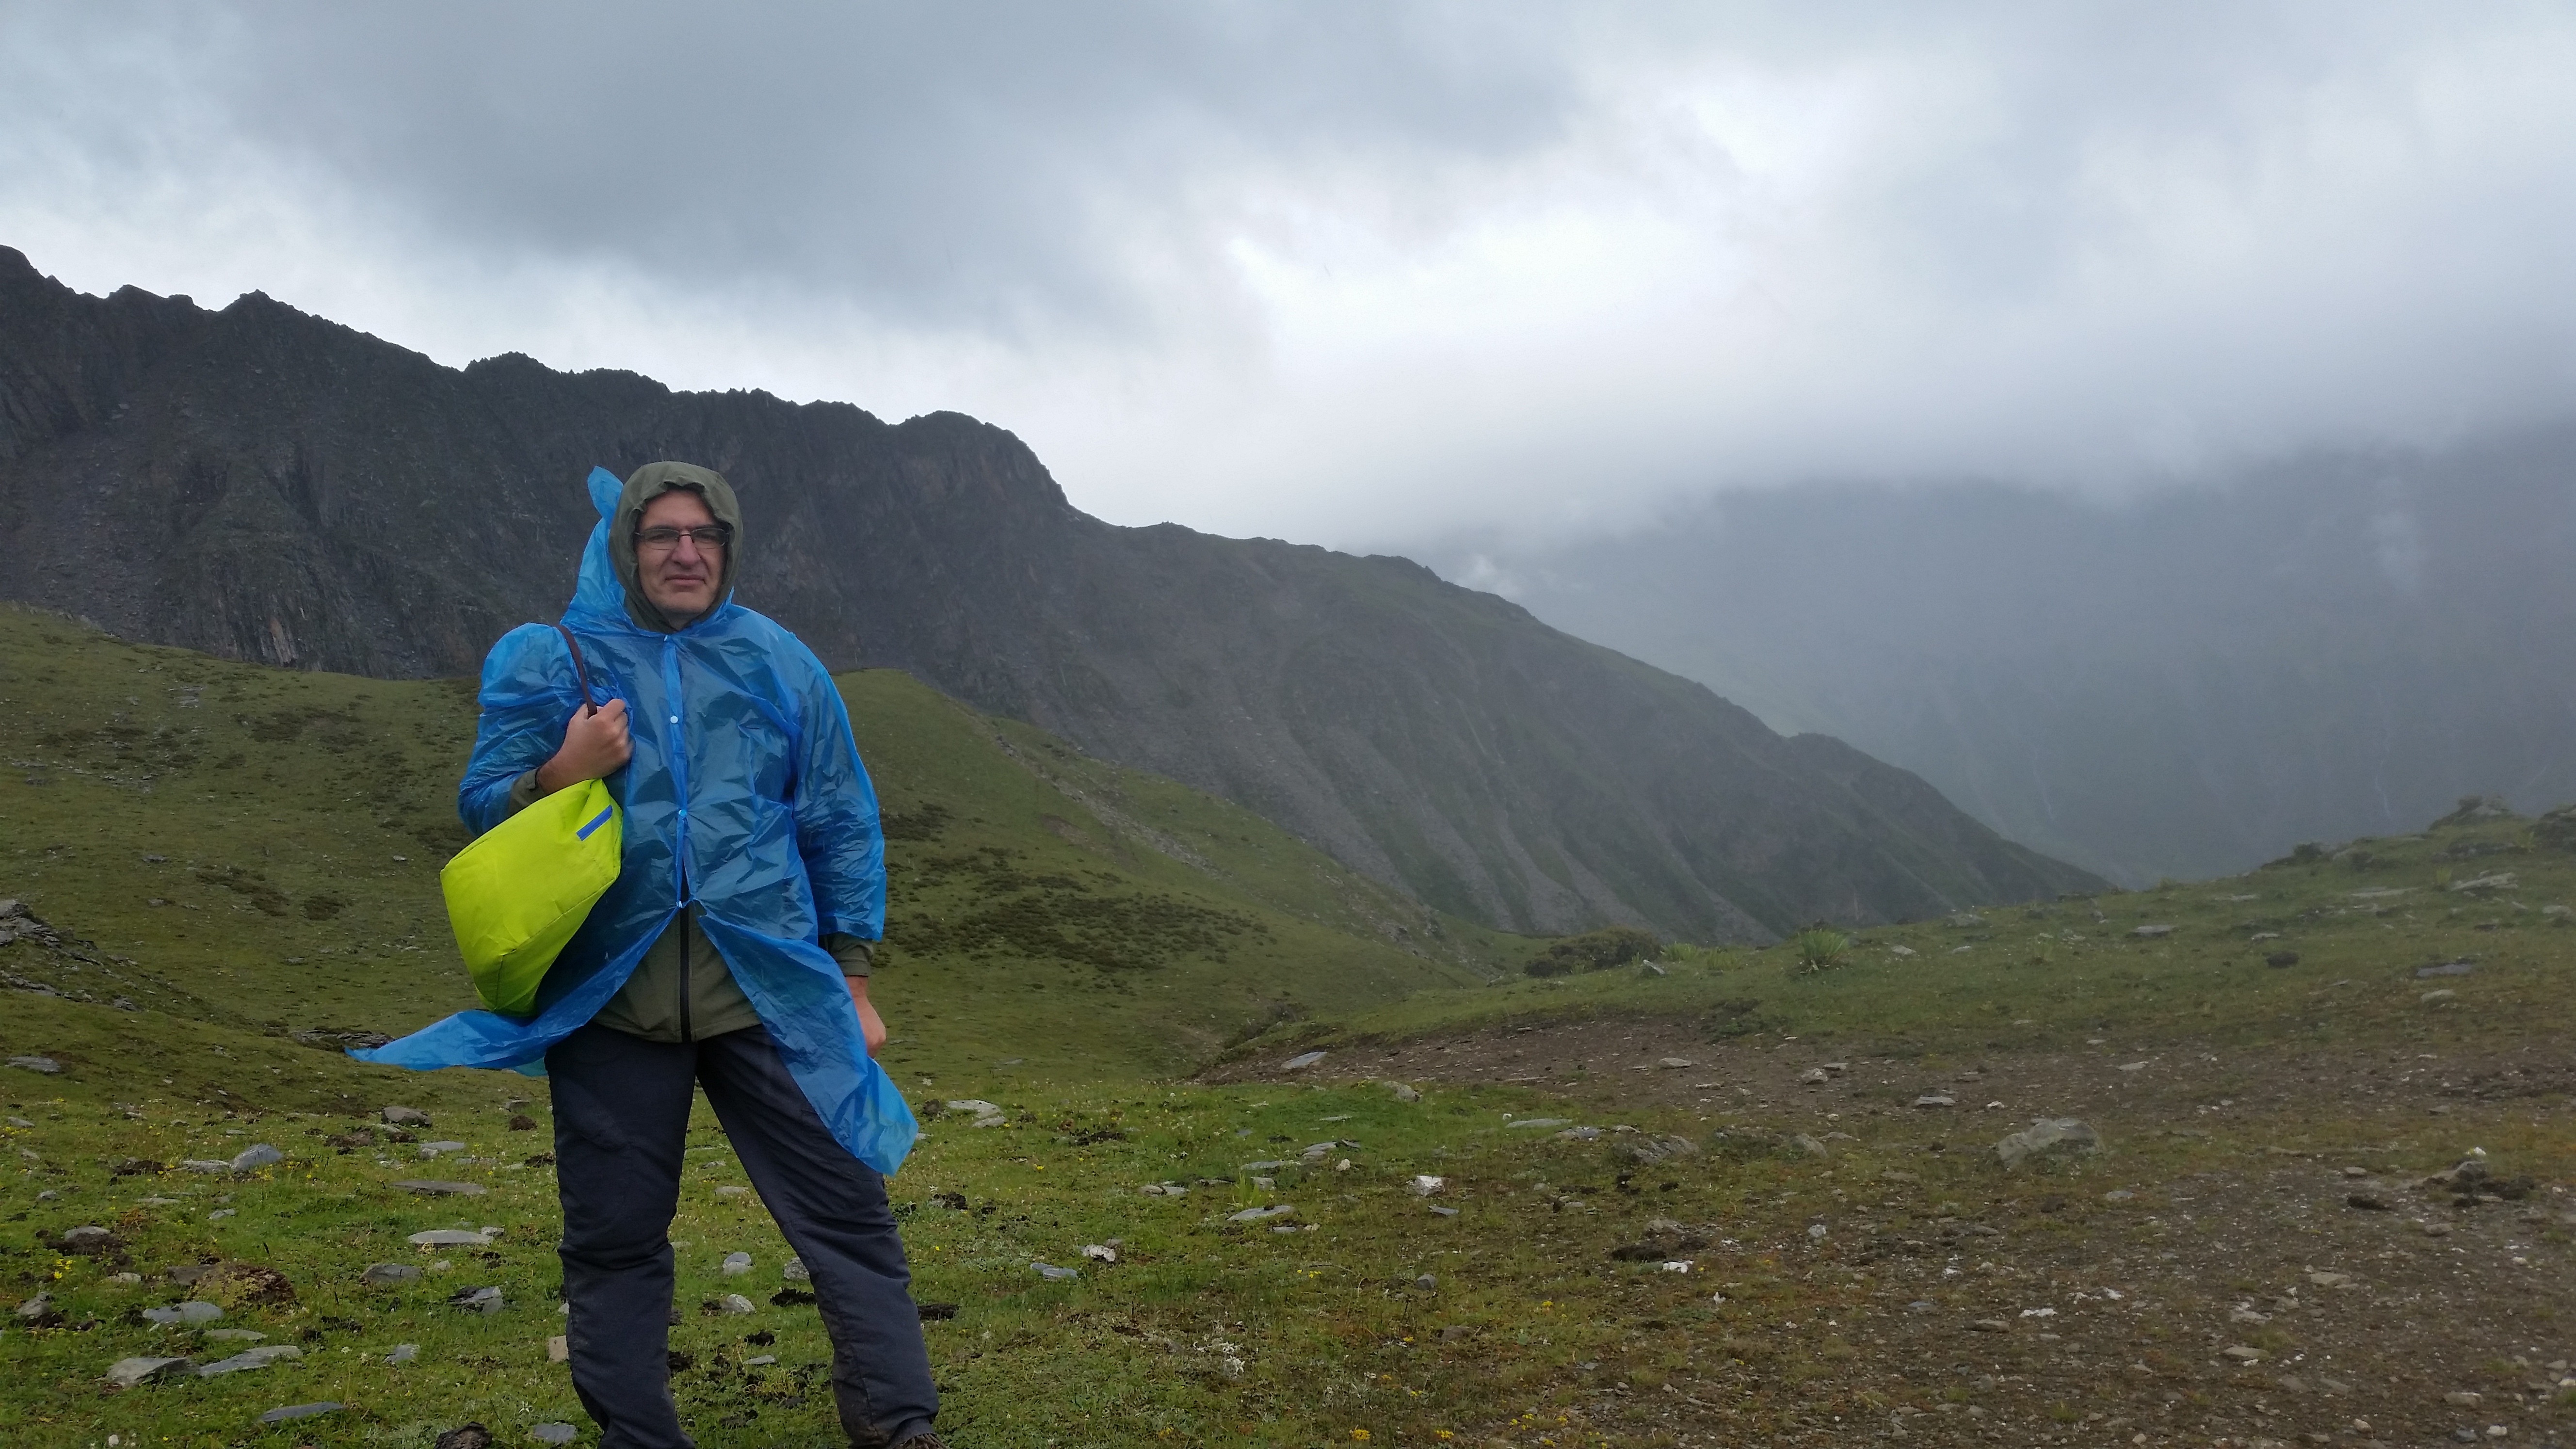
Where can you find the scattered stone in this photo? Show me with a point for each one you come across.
(255, 1157)
(735, 1265)
(195, 1164)
(2502, 880)
(1301, 1061)
(2150, 933)
(734, 1303)
(2370, 1202)
(1405, 1093)
(2326, 1279)
(45, 1066)
(481, 1300)
(1814, 1077)
(1807, 1146)
(2242, 1354)
(449, 1238)
(235, 1335)
(559, 1349)
(466, 1436)
(403, 1353)
(1263, 1214)
(405, 1117)
(2118, 1194)
(2461, 967)
(302, 1411)
(1990, 1325)
(2282, 958)
(85, 1239)
(1576, 1134)
(560, 1433)
(248, 1359)
(125, 1373)
(1935, 1099)
(796, 1271)
(432, 1149)
(430, 1187)
(1424, 1184)
(20, 1122)
(385, 1275)
(2437, 1230)
(1054, 1274)
(986, 1114)
(1965, 919)
(185, 1315)
(935, 1312)
(2049, 1137)
(2431, 998)
(1100, 1252)
(730, 1190)
(1900, 952)
(219, 1214)
(1675, 1064)
(2464, 1398)
(1540, 1122)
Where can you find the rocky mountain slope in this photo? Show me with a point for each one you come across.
(260, 484)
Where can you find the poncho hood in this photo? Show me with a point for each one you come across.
(648, 483)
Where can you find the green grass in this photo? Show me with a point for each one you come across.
(2360, 922)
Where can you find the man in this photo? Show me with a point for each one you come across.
(732, 953)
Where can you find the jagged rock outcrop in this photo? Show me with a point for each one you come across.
(261, 484)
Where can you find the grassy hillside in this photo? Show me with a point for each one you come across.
(2326, 948)
(260, 848)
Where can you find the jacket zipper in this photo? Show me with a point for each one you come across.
(679, 757)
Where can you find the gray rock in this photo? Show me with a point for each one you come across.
(432, 1149)
(87, 1235)
(1267, 1164)
(385, 1275)
(403, 1353)
(2048, 1137)
(46, 1066)
(2446, 968)
(255, 1157)
(1540, 1122)
(195, 1164)
(1405, 1093)
(431, 1187)
(796, 1271)
(1807, 1146)
(301, 1411)
(1662, 1149)
(481, 1300)
(37, 1307)
(185, 1315)
(735, 1264)
(1054, 1274)
(449, 1238)
(405, 1117)
(248, 1359)
(1445, 1212)
(2150, 933)
(1675, 1064)
(1263, 1214)
(1301, 1061)
(734, 1303)
(1576, 1134)
(1100, 1252)
(125, 1373)
(1936, 1099)
(20, 1122)
(558, 1433)
(1814, 1077)
(986, 1114)
(234, 1335)
(1426, 1281)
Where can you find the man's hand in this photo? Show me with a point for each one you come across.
(596, 746)
(871, 1025)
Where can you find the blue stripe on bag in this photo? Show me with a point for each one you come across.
(596, 821)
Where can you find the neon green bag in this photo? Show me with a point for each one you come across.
(519, 892)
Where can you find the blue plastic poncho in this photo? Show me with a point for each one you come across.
(745, 797)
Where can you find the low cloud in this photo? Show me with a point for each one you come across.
(1370, 273)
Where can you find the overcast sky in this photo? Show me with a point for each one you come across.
(1369, 273)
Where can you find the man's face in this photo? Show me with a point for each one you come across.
(679, 580)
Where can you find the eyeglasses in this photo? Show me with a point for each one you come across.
(707, 536)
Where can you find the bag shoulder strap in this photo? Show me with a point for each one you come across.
(580, 671)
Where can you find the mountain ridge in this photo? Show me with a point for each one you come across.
(260, 484)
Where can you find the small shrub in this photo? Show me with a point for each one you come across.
(1820, 948)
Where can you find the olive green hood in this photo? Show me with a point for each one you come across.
(648, 483)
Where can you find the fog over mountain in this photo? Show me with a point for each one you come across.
(2182, 684)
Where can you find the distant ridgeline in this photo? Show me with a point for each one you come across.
(265, 485)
